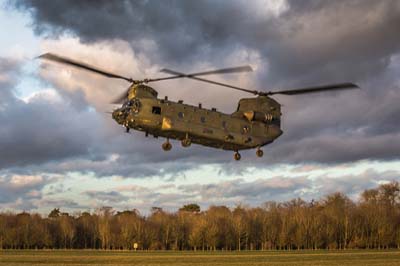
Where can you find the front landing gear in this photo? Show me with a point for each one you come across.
(237, 156)
(259, 152)
(126, 126)
(166, 146)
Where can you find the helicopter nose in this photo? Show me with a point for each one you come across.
(117, 115)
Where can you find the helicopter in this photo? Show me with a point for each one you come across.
(255, 123)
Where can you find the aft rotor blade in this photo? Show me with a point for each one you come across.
(191, 76)
(330, 87)
(70, 62)
(224, 71)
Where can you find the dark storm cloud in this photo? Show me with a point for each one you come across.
(333, 40)
(310, 38)
(50, 133)
(312, 42)
(55, 133)
(180, 29)
(40, 129)
(127, 156)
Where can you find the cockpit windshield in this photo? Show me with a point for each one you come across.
(127, 104)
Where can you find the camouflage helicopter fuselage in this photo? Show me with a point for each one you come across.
(255, 123)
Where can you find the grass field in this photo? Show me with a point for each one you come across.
(353, 258)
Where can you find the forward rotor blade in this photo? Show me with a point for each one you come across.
(216, 71)
(70, 62)
(330, 87)
(121, 98)
(177, 75)
(191, 76)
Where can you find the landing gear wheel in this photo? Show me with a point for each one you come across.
(186, 142)
(237, 156)
(259, 153)
(166, 146)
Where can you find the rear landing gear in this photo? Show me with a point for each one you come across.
(166, 146)
(186, 142)
(259, 152)
(237, 156)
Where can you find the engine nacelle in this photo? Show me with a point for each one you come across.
(258, 116)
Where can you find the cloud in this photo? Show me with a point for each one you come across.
(116, 56)
(353, 185)
(109, 197)
(277, 188)
(284, 188)
(22, 181)
(254, 192)
(41, 129)
(48, 132)
(64, 204)
(313, 135)
(21, 191)
(295, 38)
(291, 44)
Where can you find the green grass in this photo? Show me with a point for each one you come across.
(312, 258)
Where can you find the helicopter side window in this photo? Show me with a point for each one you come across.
(156, 110)
(130, 102)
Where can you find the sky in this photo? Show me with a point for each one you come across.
(60, 148)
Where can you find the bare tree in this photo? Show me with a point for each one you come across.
(334, 222)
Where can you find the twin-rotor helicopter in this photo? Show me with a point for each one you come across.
(255, 123)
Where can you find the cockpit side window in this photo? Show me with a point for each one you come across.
(156, 110)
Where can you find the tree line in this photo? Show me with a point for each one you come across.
(333, 222)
